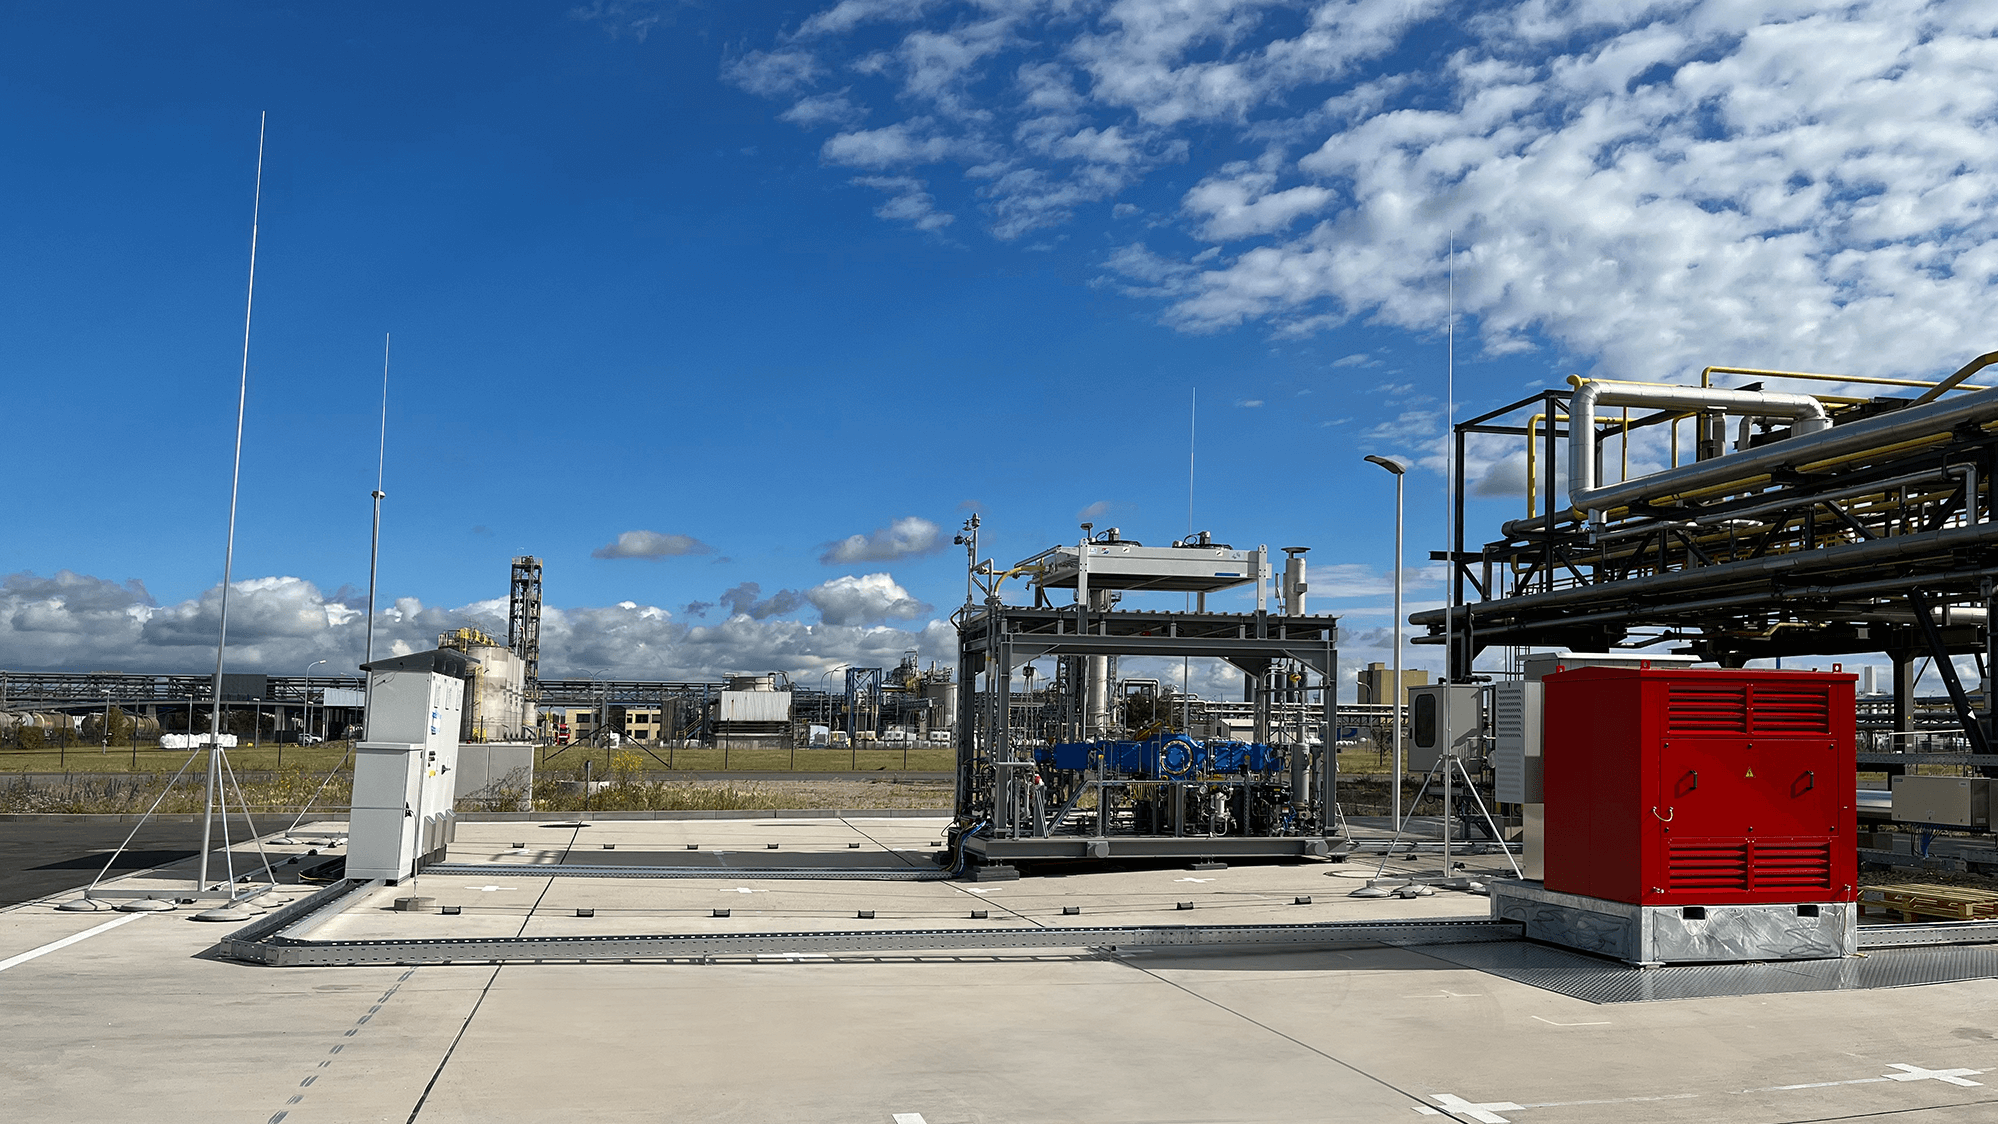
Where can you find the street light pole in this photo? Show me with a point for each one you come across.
(1399, 470)
(304, 711)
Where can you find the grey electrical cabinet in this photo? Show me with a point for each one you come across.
(1943, 801)
(1444, 718)
(1516, 771)
(404, 785)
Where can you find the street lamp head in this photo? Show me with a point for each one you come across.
(1389, 463)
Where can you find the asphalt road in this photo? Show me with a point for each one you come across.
(41, 857)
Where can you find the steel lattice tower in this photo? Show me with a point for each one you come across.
(523, 622)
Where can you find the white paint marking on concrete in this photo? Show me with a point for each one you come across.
(1812, 1085)
(1193, 880)
(975, 890)
(1908, 1073)
(1449, 995)
(489, 889)
(910, 1118)
(744, 890)
(1617, 1100)
(52, 946)
(1551, 1022)
(1486, 1113)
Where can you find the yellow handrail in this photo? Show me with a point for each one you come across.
(1706, 378)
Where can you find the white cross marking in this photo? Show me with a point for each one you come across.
(490, 889)
(744, 890)
(975, 890)
(1917, 1073)
(1482, 1113)
(910, 1118)
(1193, 880)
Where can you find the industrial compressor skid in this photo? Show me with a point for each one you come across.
(1058, 774)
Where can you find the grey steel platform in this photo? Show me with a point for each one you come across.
(281, 939)
(1056, 847)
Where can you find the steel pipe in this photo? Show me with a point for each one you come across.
(1583, 493)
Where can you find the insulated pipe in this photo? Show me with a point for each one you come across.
(1842, 556)
(1583, 493)
(1907, 426)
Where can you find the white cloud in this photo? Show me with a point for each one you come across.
(1357, 579)
(651, 544)
(849, 14)
(901, 144)
(747, 600)
(901, 539)
(1649, 185)
(1240, 202)
(636, 18)
(278, 625)
(910, 203)
(862, 600)
(773, 73)
(822, 110)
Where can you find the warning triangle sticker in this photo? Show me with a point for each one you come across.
(1750, 772)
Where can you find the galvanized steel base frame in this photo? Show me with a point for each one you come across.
(994, 774)
(1638, 934)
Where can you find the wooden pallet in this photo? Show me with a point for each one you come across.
(1950, 903)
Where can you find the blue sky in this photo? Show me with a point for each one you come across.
(738, 282)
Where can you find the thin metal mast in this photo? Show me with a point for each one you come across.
(1192, 420)
(1186, 662)
(229, 552)
(375, 546)
(1449, 476)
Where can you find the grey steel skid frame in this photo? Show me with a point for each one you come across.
(271, 941)
(282, 939)
(998, 638)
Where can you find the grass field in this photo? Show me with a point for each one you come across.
(147, 758)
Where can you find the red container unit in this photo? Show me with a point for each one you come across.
(1684, 787)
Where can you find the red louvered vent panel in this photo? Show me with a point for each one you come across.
(1749, 864)
(1706, 708)
(1706, 864)
(1790, 864)
(1790, 710)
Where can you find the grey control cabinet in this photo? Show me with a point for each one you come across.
(1444, 718)
(405, 765)
(1942, 801)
